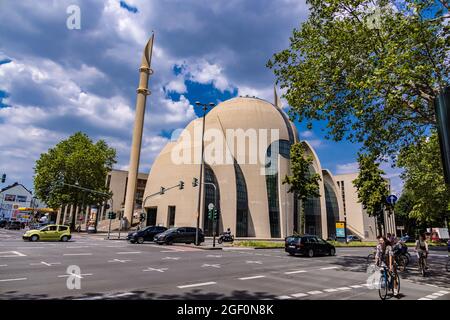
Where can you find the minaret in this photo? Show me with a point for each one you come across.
(142, 92)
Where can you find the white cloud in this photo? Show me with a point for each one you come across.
(307, 134)
(177, 85)
(345, 168)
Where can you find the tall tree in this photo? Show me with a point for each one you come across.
(423, 177)
(74, 160)
(303, 183)
(372, 188)
(370, 68)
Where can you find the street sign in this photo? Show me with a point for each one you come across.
(340, 229)
(400, 228)
(392, 199)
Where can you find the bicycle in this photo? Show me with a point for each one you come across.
(422, 269)
(387, 281)
(401, 260)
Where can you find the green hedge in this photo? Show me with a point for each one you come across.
(259, 244)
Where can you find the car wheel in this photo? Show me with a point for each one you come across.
(291, 254)
(332, 252)
(34, 238)
(65, 238)
(310, 253)
(140, 240)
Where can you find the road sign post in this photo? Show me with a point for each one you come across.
(211, 210)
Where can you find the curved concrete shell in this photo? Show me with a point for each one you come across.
(247, 144)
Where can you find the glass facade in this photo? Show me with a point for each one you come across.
(313, 219)
(209, 194)
(332, 209)
(281, 147)
(241, 203)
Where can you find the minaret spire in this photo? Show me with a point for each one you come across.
(276, 98)
(142, 92)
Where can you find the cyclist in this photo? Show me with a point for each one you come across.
(421, 248)
(384, 257)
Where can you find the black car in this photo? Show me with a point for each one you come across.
(146, 234)
(13, 225)
(179, 235)
(308, 245)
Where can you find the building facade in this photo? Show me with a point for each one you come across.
(251, 199)
(14, 197)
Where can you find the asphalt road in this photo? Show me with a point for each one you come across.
(115, 269)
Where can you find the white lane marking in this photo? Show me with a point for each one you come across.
(314, 292)
(356, 286)
(30, 247)
(327, 268)
(75, 275)
(344, 288)
(443, 291)
(330, 290)
(121, 295)
(3, 265)
(255, 262)
(171, 258)
(77, 254)
(118, 260)
(16, 279)
(438, 294)
(296, 271)
(430, 296)
(211, 265)
(155, 269)
(214, 256)
(48, 264)
(196, 285)
(77, 247)
(128, 252)
(299, 295)
(284, 297)
(253, 277)
(423, 299)
(4, 254)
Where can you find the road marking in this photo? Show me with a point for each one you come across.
(256, 262)
(330, 290)
(344, 288)
(443, 291)
(128, 252)
(214, 256)
(118, 260)
(196, 285)
(80, 276)
(296, 271)
(155, 269)
(77, 254)
(356, 286)
(423, 299)
(327, 268)
(30, 247)
(77, 247)
(211, 265)
(14, 254)
(253, 277)
(299, 295)
(171, 258)
(314, 292)
(120, 295)
(16, 279)
(3, 265)
(284, 297)
(48, 264)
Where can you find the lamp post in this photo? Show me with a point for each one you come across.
(204, 108)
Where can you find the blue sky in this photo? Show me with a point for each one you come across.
(55, 81)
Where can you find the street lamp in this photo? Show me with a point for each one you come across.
(204, 108)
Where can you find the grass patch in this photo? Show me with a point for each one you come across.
(259, 244)
(354, 244)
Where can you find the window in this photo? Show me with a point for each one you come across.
(242, 203)
(211, 196)
(52, 228)
(313, 219)
(171, 216)
(63, 228)
(44, 229)
(332, 208)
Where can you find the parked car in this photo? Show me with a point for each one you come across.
(146, 234)
(179, 235)
(308, 245)
(352, 237)
(13, 225)
(51, 232)
(3, 223)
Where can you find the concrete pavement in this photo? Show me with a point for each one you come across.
(118, 270)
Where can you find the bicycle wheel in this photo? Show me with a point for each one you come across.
(383, 286)
(407, 258)
(402, 262)
(370, 258)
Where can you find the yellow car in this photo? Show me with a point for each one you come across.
(52, 232)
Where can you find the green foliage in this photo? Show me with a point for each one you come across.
(76, 159)
(372, 189)
(369, 70)
(426, 196)
(303, 182)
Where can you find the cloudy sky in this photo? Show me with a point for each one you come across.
(55, 81)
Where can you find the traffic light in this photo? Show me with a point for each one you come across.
(194, 182)
(212, 214)
(162, 190)
(181, 185)
(3, 178)
(111, 215)
(142, 217)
